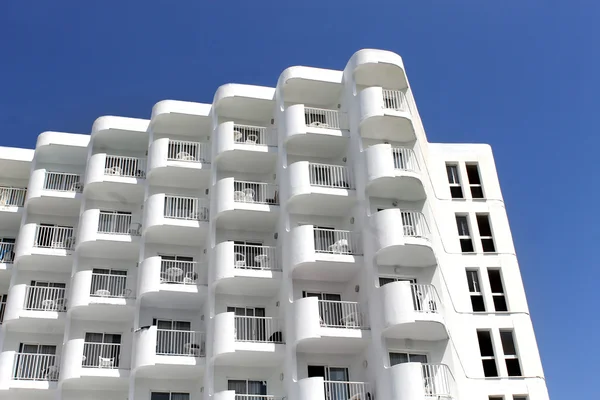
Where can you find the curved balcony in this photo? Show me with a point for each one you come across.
(316, 388)
(402, 238)
(372, 67)
(103, 232)
(248, 341)
(320, 189)
(115, 178)
(175, 219)
(385, 115)
(315, 132)
(412, 311)
(12, 200)
(54, 192)
(416, 381)
(324, 254)
(105, 296)
(327, 325)
(33, 372)
(7, 257)
(173, 282)
(35, 308)
(393, 173)
(45, 247)
(244, 205)
(238, 147)
(186, 162)
(164, 354)
(241, 269)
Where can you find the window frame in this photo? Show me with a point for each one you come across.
(475, 185)
(510, 356)
(468, 236)
(489, 237)
(475, 293)
(492, 357)
(455, 182)
(498, 294)
(408, 353)
(170, 393)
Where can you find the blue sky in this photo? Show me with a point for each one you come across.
(521, 75)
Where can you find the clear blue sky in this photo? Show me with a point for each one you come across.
(522, 75)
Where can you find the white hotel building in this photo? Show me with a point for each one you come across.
(303, 242)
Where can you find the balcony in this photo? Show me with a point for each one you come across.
(11, 205)
(103, 296)
(330, 326)
(45, 247)
(7, 255)
(102, 232)
(238, 147)
(248, 341)
(168, 354)
(393, 173)
(320, 189)
(231, 395)
(174, 219)
(422, 381)
(112, 177)
(35, 308)
(385, 115)
(241, 269)
(402, 237)
(245, 205)
(35, 371)
(315, 132)
(324, 254)
(185, 162)
(412, 311)
(318, 388)
(54, 192)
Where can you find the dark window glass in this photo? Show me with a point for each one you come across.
(508, 343)
(489, 368)
(485, 343)
(512, 367)
(473, 174)
(477, 303)
(483, 222)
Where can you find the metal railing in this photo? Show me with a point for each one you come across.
(321, 118)
(425, 298)
(36, 367)
(404, 159)
(114, 223)
(40, 298)
(7, 252)
(258, 329)
(10, 196)
(101, 355)
(257, 135)
(109, 285)
(181, 150)
(256, 397)
(394, 100)
(337, 390)
(132, 167)
(438, 381)
(336, 241)
(188, 208)
(54, 237)
(176, 271)
(333, 176)
(255, 257)
(62, 182)
(341, 314)
(180, 343)
(414, 224)
(255, 192)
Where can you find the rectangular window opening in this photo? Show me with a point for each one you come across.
(497, 287)
(474, 181)
(454, 181)
(509, 348)
(485, 233)
(464, 235)
(477, 301)
(486, 349)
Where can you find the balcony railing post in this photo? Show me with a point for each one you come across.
(425, 298)
(414, 224)
(255, 192)
(337, 241)
(40, 298)
(101, 355)
(114, 223)
(255, 257)
(438, 381)
(404, 159)
(394, 100)
(333, 176)
(62, 182)
(258, 329)
(132, 167)
(109, 285)
(341, 314)
(338, 390)
(10, 196)
(35, 367)
(180, 150)
(180, 343)
(177, 271)
(187, 208)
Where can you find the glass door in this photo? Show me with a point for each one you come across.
(249, 329)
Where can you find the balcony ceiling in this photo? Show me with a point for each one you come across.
(61, 154)
(13, 169)
(195, 126)
(312, 93)
(246, 109)
(116, 139)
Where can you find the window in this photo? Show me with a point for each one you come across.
(488, 359)
(36, 362)
(7, 250)
(519, 397)
(384, 280)
(177, 269)
(101, 350)
(108, 282)
(485, 233)
(248, 387)
(169, 396)
(474, 181)
(475, 290)
(2, 307)
(510, 353)
(400, 358)
(497, 290)
(496, 398)
(466, 244)
(118, 222)
(455, 188)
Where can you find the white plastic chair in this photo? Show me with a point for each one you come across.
(239, 196)
(249, 194)
(251, 138)
(240, 260)
(339, 247)
(106, 362)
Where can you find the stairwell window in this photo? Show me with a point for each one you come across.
(495, 277)
(464, 235)
(488, 358)
(513, 367)
(474, 181)
(475, 291)
(454, 181)
(485, 233)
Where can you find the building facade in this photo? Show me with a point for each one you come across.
(303, 242)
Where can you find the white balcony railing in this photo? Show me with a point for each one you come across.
(181, 272)
(404, 159)
(255, 135)
(62, 182)
(10, 196)
(180, 150)
(39, 298)
(258, 329)
(336, 241)
(394, 100)
(101, 355)
(414, 224)
(256, 397)
(109, 285)
(35, 367)
(115, 223)
(438, 381)
(256, 257)
(54, 237)
(342, 314)
(188, 208)
(7, 252)
(336, 390)
(255, 192)
(321, 118)
(333, 176)
(180, 343)
(425, 298)
(132, 167)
